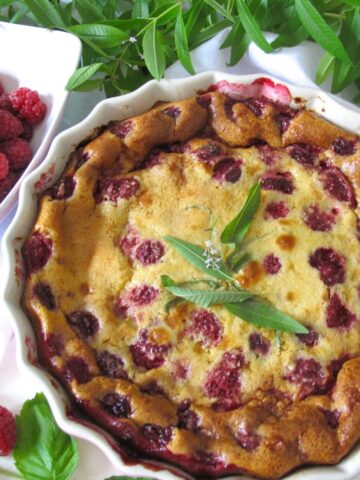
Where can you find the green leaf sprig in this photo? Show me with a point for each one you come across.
(135, 40)
(239, 302)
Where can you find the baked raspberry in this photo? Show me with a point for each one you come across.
(228, 170)
(37, 251)
(121, 308)
(152, 388)
(309, 374)
(208, 461)
(247, 440)
(147, 354)
(84, 323)
(283, 119)
(205, 327)
(331, 416)
(149, 252)
(258, 343)
(318, 220)
(122, 129)
(223, 381)
(153, 158)
(257, 104)
(10, 126)
(117, 405)
(157, 436)
(143, 295)
(187, 418)
(4, 166)
(268, 154)
(309, 339)
(7, 431)
(338, 315)
(129, 242)
(28, 104)
(54, 344)
(43, 292)
(209, 152)
(180, 370)
(228, 107)
(338, 186)
(111, 189)
(275, 210)
(204, 100)
(331, 265)
(17, 151)
(63, 189)
(344, 147)
(77, 369)
(305, 154)
(172, 111)
(272, 264)
(111, 365)
(279, 181)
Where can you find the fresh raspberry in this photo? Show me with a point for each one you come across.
(1, 89)
(4, 166)
(10, 126)
(7, 183)
(18, 153)
(28, 130)
(29, 104)
(7, 431)
(5, 103)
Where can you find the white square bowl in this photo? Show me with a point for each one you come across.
(119, 108)
(42, 60)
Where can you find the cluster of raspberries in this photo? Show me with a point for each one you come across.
(20, 110)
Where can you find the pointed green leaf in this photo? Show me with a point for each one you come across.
(153, 53)
(45, 13)
(88, 11)
(81, 75)
(140, 9)
(196, 256)
(220, 9)
(252, 27)
(236, 230)
(262, 314)
(325, 66)
(204, 298)
(105, 36)
(237, 259)
(182, 46)
(320, 31)
(167, 281)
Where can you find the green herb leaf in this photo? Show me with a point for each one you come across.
(319, 30)
(43, 451)
(325, 66)
(45, 13)
(220, 9)
(105, 36)
(140, 9)
(237, 259)
(81, 75)
(153, 53)
(204, 298)
(167, 281)
(196, 256)
(88, 11)
(251, 27)
(262, 314)
(182, 46)
(236, 230)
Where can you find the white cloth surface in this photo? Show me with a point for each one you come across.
(295, 65)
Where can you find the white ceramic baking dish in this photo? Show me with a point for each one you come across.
(110, 109)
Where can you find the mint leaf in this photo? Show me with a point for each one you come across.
(196, 256)
(105, 36)
(153, 54)
(43, 451)
(252, 27)
(236, 230)
(182, 46)
(81, 75)
(204, 298)
(320, 31)
(262, 314)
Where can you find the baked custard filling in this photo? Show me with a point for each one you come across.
(144, 336)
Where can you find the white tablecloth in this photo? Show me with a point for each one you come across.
(295, 65)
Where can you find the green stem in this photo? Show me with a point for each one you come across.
(339, 16)
(7, 474)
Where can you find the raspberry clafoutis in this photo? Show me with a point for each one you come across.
(147, 213)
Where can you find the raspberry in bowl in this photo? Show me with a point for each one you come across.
(181, 386)
(28, 120)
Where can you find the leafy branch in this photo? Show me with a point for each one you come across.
(127, 43)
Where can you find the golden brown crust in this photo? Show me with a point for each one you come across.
(279, 431)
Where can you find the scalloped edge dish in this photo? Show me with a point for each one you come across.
(111, 109)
